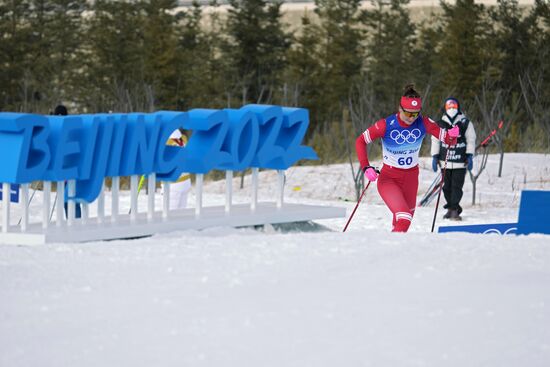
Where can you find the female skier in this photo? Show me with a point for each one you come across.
(402, 134)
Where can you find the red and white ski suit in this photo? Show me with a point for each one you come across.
(398, 180)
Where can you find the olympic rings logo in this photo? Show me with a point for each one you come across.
(405, 136)
(496, 231)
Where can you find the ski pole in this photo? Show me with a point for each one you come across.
(440, 188)
(432, 190)
(356, 206)
(485, 141)
(53, 206)
(28, 205)
(140, 185)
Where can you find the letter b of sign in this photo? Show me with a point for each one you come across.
(24, 140)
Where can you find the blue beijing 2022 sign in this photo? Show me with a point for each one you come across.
(88, 148)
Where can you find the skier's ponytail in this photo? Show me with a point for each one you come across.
(410, 92)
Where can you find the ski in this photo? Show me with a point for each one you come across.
(141, 183)
(432, 191)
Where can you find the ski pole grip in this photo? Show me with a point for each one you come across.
(374, 168)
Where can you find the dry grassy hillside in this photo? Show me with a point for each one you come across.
(419, 10)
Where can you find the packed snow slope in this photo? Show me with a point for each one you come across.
(244, 297)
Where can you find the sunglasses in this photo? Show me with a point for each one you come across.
(410, 114)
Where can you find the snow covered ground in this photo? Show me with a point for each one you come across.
(241, 297)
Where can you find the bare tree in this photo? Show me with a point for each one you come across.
(538, 107)
(494, 106)
(481, 168)
(132, 98)
(363, 110)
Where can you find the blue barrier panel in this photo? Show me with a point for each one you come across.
(14, 194)
(533, 212)
(532, 218)
(497, 228)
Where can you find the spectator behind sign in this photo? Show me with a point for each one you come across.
(61, 110)
(179, 189)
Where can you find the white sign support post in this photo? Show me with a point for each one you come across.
(46, 190)
(198, 198)
(228, 191)
(24, 201)
(254, 184)
(115, 187)
(165, 200)
(71, 186)
(6, 192)
(151, 186)
(59, 202)
(281, 188)
(101, 204)
(133, 197)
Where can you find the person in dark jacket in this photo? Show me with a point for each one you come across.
(460, 157)
(61, 110)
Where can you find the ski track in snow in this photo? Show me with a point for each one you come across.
(240, 297)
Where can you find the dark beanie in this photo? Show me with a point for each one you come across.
(60, 110)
